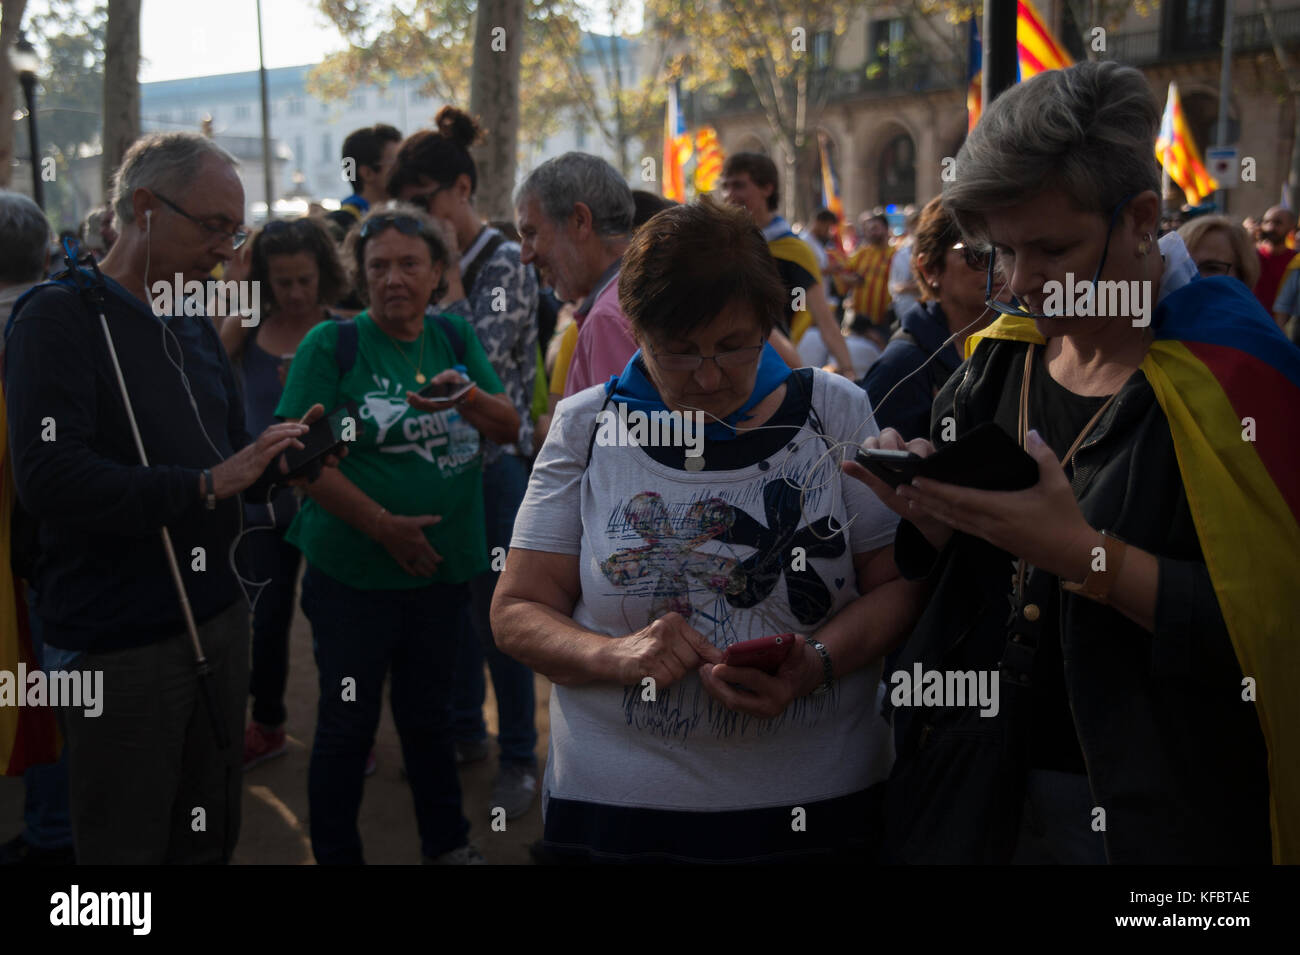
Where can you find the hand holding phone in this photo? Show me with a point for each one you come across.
(446, 388)
(762, 653)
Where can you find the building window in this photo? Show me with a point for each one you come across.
(1193, 26)
(300, 150)
(357, 101)
(162, 118)
(326, 148)
(189, 117)
(821, 50)
(296, 107)
(897, 181)
(242, 112)
(892, 53)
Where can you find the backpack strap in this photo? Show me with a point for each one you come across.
(346, 352)
(453, 336)
(470, 275)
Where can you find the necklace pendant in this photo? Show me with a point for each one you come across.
(419, 378)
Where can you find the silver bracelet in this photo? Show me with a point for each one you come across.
(828, 672)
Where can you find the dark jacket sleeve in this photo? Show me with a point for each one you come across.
(907, 410)
(1191, 638)
(52, 393)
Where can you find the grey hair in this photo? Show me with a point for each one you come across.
(560, 183)
(161, 162)
(24, 239)
(1088, 130)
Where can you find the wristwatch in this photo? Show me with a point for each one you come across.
(828, 672)
(1096, 586)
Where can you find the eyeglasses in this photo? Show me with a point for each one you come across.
(975, 258)
(407, 225)
(425, 199)
(724, 359)
(1215, 267)
(237, 237)
(1015, 308)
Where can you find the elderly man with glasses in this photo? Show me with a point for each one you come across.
(149, 781)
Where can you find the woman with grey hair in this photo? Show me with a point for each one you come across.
(393, 537)
(1137, 608)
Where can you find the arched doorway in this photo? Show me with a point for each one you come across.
(896, 171)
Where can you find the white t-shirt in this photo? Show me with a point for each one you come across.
(724, 548)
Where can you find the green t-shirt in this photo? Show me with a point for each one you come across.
(409, 461)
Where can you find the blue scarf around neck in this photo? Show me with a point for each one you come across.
(635, 389)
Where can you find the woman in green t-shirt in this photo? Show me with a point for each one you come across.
(393, 535)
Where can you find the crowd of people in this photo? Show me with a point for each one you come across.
(474, 524)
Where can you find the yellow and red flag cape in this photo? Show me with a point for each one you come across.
(28, 735)
(1217, 359)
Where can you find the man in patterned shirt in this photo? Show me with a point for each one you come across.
(870, 278)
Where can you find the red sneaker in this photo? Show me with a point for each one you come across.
(262, 743)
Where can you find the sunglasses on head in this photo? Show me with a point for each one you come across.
(407, 225)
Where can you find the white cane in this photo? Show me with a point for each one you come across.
(201, 662)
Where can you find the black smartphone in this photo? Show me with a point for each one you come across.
(327, 435)
(892, 467)
(445, 391)
(986, 458)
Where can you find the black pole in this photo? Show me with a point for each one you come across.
(29, 93)
(1000, 54)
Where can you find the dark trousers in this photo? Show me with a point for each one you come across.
(45, 811)
(504, 484)
(274, 560)
(358, 636)
(148, 784)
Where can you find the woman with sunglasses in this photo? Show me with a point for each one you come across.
(637, 561)
(1150, 570)
(393, 536)
(926, 349)
(295, 265)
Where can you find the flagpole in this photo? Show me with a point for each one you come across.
(1225, 90)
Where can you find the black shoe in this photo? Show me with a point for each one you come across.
(18, 851)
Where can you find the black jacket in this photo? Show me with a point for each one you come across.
(1174, 756)
(101, 577)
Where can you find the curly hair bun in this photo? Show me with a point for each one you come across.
(458, 125)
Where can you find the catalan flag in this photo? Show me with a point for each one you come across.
(1217, 362)
(677, 149)
(1176, 151)
(1036, 51)
(974, 77)
(708, 159)
(28, 735)
(830, 181)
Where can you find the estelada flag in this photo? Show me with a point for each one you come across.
(1176, 151)
(677, 149)
(708, 159)
(1218, 359)
(1036, 51)
(28, 734)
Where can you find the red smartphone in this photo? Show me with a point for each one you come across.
(762, 653)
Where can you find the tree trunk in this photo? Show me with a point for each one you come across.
(494, 100)
(1292, 185)
(11, 18)
(121, 87)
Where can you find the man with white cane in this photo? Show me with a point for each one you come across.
(125, 426)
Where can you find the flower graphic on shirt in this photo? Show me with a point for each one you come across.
(670, 555)
(809, 597)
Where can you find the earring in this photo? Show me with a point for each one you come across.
(1144, 247)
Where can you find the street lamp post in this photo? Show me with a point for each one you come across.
(26, 64)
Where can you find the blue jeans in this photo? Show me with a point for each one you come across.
(504, 484)
(45, 812)
(358, 636)
(271, 558)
